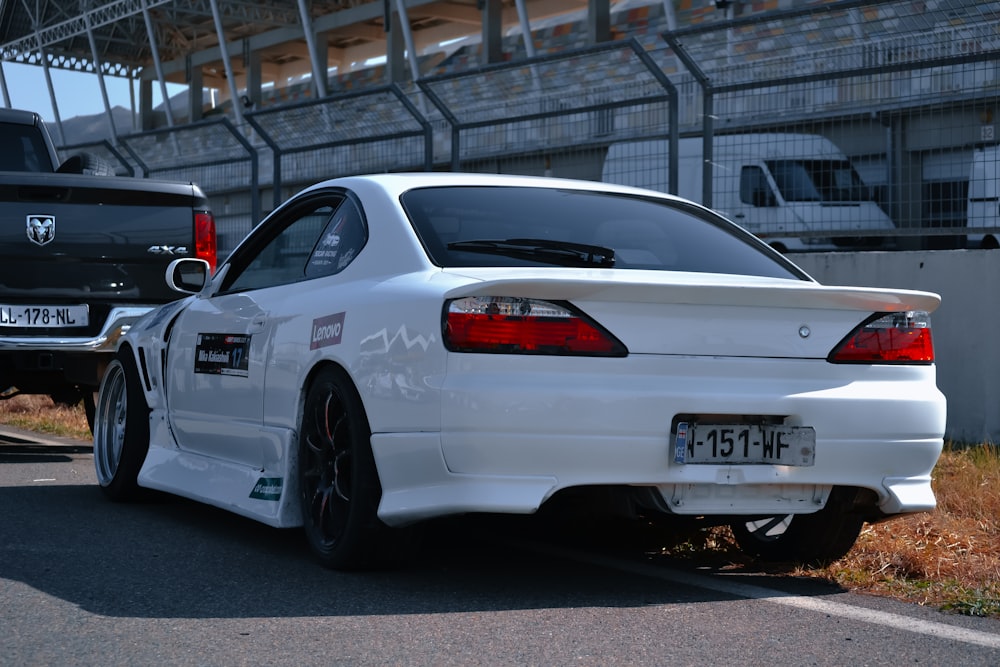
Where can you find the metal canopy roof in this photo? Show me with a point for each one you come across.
(59, 29)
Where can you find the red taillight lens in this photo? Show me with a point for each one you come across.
(894, 338)
(204, 239)
(506, 325)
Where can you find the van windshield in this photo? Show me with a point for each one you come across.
(818, 180)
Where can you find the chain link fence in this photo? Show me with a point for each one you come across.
(218, 157)
(850, 124)
(375, 130)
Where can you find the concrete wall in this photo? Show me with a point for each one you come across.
(966, 327)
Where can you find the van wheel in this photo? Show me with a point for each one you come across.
(780, 247)
(989, 243)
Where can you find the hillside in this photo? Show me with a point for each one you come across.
(91, 129)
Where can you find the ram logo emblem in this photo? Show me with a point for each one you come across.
(41, 228)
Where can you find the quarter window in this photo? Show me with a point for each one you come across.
(340, 242)
(318, 237)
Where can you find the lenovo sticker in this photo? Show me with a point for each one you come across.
(222, 354)
(326, 331)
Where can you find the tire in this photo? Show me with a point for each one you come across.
(810, 539)
(338, 482)
(121, 430)
(90, 408)
(86, 163)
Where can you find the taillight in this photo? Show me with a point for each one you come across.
(204, 239)
(508, 325)
(893, 338)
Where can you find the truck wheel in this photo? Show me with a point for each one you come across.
(90, 407)
(121, 429)
(810, 539)
(86, 163)
(338, 482)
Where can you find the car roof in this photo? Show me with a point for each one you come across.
(397, 183)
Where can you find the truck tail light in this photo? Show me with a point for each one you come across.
(205, 239)
(510, 325)
(888, 338)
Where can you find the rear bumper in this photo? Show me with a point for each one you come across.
(512, 437)
(115, 326)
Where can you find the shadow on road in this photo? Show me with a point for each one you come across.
(170, 557)
(35, 453)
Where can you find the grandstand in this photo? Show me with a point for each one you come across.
(907, 90)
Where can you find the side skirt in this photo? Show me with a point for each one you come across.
(269, 495)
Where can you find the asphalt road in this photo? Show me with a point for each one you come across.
(168, 582)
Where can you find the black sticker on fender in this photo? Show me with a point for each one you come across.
(222, 354)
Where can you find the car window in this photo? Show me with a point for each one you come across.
(460, 225)
(340, 242)
(279, 249)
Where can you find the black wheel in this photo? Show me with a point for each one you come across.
(811, 539)
(90, 407)
(338, 481)
(86, 163)
(121, 429)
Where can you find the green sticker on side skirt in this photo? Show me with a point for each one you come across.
(267, 488)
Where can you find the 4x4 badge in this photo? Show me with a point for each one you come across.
(41, 228)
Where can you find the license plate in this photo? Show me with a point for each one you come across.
(773, 444)
(44, 316)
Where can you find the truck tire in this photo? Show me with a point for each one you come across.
(86, 163)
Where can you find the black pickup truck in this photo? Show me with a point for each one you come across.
(82, 255)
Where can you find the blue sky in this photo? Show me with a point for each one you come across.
(77, 93)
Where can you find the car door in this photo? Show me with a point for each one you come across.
(220, 345)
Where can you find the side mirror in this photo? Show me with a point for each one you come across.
(188, 275)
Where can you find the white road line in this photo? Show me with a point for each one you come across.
(888, 619)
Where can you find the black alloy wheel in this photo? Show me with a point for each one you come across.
(338, 481)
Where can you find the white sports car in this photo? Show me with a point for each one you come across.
(385, 349)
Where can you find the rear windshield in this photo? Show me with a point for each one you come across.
(526, 226)
(23, 149)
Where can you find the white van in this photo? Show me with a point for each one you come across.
(984, 198)
(796, 191)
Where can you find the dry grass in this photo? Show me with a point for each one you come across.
(949, 558)
(40, 415)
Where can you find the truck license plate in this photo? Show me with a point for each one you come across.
(773, 444)
(44, 316)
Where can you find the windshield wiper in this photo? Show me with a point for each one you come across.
(563, 253)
